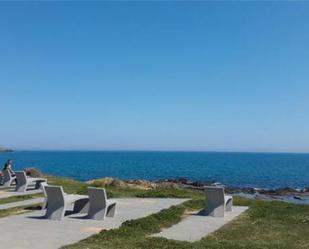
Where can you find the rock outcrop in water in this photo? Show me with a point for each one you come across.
(2, 149)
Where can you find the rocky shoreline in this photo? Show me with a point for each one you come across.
(285, 194)
(234, 190)
(292, 195)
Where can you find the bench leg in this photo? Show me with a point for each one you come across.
(229, 205)
(81, 206)
(21, 187)
(55, 212)
(111, 209)
(38, 184)
(214, 211)
(97, 213)
(8, 183)
(44, 204)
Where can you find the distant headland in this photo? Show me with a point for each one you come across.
(2, 149)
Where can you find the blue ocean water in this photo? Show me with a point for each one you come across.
(268, 170)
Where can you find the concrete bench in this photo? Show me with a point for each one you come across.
(23, 181)
(7, 178)
(99, 206)
(59, 202)
(217, 202)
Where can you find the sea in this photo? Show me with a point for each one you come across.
(234, 169)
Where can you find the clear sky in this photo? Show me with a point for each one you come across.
(155, 76)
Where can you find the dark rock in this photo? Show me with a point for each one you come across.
(181, 180)
(118, 183)
(249, 190)
(201, 183)
(268, 192)
(298, 197)
(167, 184)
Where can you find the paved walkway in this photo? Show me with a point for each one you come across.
(4, 193)
(194, 227)
(29, 230)
(21, 203)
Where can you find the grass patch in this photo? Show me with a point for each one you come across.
(11, 199)
(76, 187)
(18, 210)
(69, 186)
(11, 211)
(170, 193)
(18, 198)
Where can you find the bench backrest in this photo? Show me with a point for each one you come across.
(1, 177)
(214, 194)
(97, 196)
(55, 195)
(21, 177)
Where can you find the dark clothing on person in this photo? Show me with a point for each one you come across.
(8, 166)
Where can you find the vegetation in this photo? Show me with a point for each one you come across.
(18, 198)
(11, 211)
(18, 210)
(72, 186)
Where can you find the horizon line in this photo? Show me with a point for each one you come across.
(155, 150)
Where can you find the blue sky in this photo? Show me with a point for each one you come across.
(155, 76)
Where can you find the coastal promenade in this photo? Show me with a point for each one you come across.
(175, 221)
(9, 192)
(21, 203)
(31, 230)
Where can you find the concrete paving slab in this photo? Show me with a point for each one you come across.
(10, 192)
(195, 227)
(21, 203)
(30, 230)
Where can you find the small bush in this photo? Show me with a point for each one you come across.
(33, 172)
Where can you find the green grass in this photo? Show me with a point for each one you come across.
(171, 193)
(10, 211)
(18, 210)
(18, 198)
(70, 186)
(117, 192)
